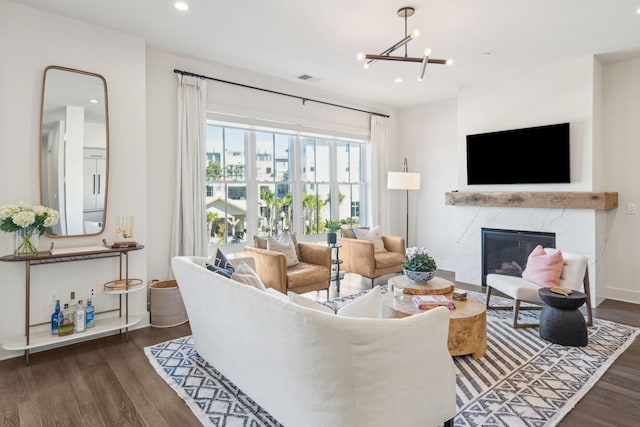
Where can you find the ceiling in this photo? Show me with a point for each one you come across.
(487, 39)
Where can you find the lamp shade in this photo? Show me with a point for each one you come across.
(403, 181)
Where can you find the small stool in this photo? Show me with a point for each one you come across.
(561, 321)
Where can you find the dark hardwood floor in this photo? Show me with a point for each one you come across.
(109, 381)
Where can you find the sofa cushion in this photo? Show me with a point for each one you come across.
(308, 302)
(219, 270)
(388, 259)
(542, 268)
(302, 274)
(285, 246)
(369, 305)
(374, 235)
(220, 260)
(220, 264)
(245, 274)
(261, 242)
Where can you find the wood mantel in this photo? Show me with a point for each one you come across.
(535, 199)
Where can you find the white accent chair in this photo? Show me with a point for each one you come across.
(575, 276)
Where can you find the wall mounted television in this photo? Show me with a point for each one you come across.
(536, 155)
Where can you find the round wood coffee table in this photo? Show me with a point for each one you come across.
(435, 286)
(467, 322)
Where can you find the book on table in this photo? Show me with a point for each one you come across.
(425, 302)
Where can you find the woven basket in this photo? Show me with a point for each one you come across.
(167, 309)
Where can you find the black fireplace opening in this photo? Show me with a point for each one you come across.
(507, 251)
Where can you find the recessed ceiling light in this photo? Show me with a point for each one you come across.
(93, 101)
(398, 80)
(181, 6)
(638, 11)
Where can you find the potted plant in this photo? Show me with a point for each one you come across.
(418, 265)
(332, 226)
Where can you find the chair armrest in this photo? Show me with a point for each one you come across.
(394, 243)
(358, 256)
(271, 266)
(312, 253)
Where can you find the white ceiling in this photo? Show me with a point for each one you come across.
(288, 38)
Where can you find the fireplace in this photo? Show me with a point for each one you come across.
(506, 251)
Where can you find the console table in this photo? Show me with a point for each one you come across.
(40, 339)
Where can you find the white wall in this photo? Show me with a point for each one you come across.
(30, 40)
(223, 99)
(431, 150)
(621, 151)
(602, 102)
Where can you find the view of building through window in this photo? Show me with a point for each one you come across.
(266, 182)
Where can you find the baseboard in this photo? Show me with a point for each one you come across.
(624, 295)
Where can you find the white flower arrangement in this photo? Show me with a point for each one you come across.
(418, 259)
(23, 216)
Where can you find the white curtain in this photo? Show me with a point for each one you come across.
(378, 164)
(189, 226)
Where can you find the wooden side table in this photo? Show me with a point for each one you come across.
(467, 322)
(435, 286)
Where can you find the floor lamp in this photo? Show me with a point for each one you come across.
(404, 180)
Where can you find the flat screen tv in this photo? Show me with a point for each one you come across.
(536, 155)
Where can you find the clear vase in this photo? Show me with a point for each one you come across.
(25, 242)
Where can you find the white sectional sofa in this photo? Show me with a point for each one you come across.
(311, 368)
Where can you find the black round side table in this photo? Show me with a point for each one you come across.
(561, 321)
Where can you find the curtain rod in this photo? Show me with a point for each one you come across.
(302, 98)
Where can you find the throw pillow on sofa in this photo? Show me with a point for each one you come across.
(220, 264)
(308, 302)
(246, 275)
(369, 306)
(373, 235)
(544, 269)
(261, 242)
(285, 246)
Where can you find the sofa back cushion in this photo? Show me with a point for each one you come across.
(286, 246)
(261, 242)
(308, 302)
(247, 275)
(220, 264)
(373, 235)
(367, 306)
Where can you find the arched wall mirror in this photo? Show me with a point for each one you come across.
(74, 150)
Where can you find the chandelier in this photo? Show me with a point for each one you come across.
(405, 12)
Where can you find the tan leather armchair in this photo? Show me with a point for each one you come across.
(312, 273)
(359, 256)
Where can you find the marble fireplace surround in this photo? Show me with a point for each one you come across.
(574, 217)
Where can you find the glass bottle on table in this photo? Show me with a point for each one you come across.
(55, 318)
(79, 320)
(65, 322)
(90, 314)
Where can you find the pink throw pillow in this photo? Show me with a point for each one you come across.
(544, 269)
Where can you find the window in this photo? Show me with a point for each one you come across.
(226, 205)
(349, 177)
(267, 181)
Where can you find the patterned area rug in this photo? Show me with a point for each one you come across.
(521, 381)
